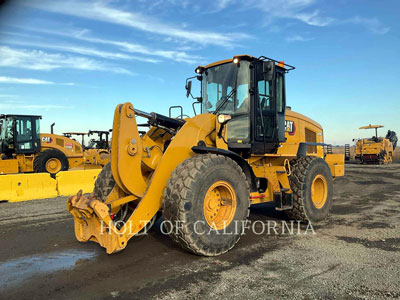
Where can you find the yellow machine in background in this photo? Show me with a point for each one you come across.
(97, 153)
(204, 172)
(25, 149)
(376, 150)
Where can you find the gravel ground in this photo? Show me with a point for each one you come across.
(355, 254)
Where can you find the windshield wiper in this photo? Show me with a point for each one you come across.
(222, 103)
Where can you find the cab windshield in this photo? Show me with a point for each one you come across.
(226, 88)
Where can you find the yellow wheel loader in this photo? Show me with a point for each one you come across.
(25, 149)
(376, 150)
(203, 173)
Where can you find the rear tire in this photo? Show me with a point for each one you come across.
(45, 160)
(308, 174)
(198, 187)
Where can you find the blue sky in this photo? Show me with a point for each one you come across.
(74, 61)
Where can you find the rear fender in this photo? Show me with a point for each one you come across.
(248, 171)
(336, 164)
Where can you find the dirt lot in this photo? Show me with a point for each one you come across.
(353, 255)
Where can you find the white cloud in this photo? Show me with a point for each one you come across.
(85, 51)
(179, 56)
(371, 24)
(219, 5)
(292, 9)
(314, 19)
(39, 60)
(4, 79)
(297, 38)
(302, 10)
(102, 11)
(83, 35)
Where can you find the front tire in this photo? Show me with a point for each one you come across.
(312, 186)
(104, 183)
(206, 204)
(103, 186)
(50, 161)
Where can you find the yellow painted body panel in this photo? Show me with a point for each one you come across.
(9, 166)
(293, 139)
(72, 149)
(336, 164)
(127, 151)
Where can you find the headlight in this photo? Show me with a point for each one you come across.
(223, 118)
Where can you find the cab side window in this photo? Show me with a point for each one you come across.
(24, 129)
(264, 95)
(279, 93)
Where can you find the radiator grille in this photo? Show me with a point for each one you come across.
(311, 137)
(60, 142)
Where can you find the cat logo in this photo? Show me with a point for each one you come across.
(290, 127)
(47, 139)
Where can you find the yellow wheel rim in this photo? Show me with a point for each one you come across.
(319, 191)
(53, 165)
(219, 205)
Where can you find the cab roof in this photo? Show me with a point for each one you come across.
(75, 133)
(224, 61)
(371, 126)
(280, 64)
(3, 116)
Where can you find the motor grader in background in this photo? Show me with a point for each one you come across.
(25, 149)
(97, 153)
(376, 150)
(203, 173)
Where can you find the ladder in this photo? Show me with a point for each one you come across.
(329, 149)
(347, 151)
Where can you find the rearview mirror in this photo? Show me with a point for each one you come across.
(188, 88)
(268, 70)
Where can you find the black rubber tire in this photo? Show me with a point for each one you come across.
(183, 201)
(104, 183)
(304, 170)
(39, 163)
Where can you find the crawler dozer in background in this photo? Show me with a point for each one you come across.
(203, 173)
(25, 149)
(376, 150)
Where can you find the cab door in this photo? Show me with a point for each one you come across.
(27, 135)
(269, 111)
